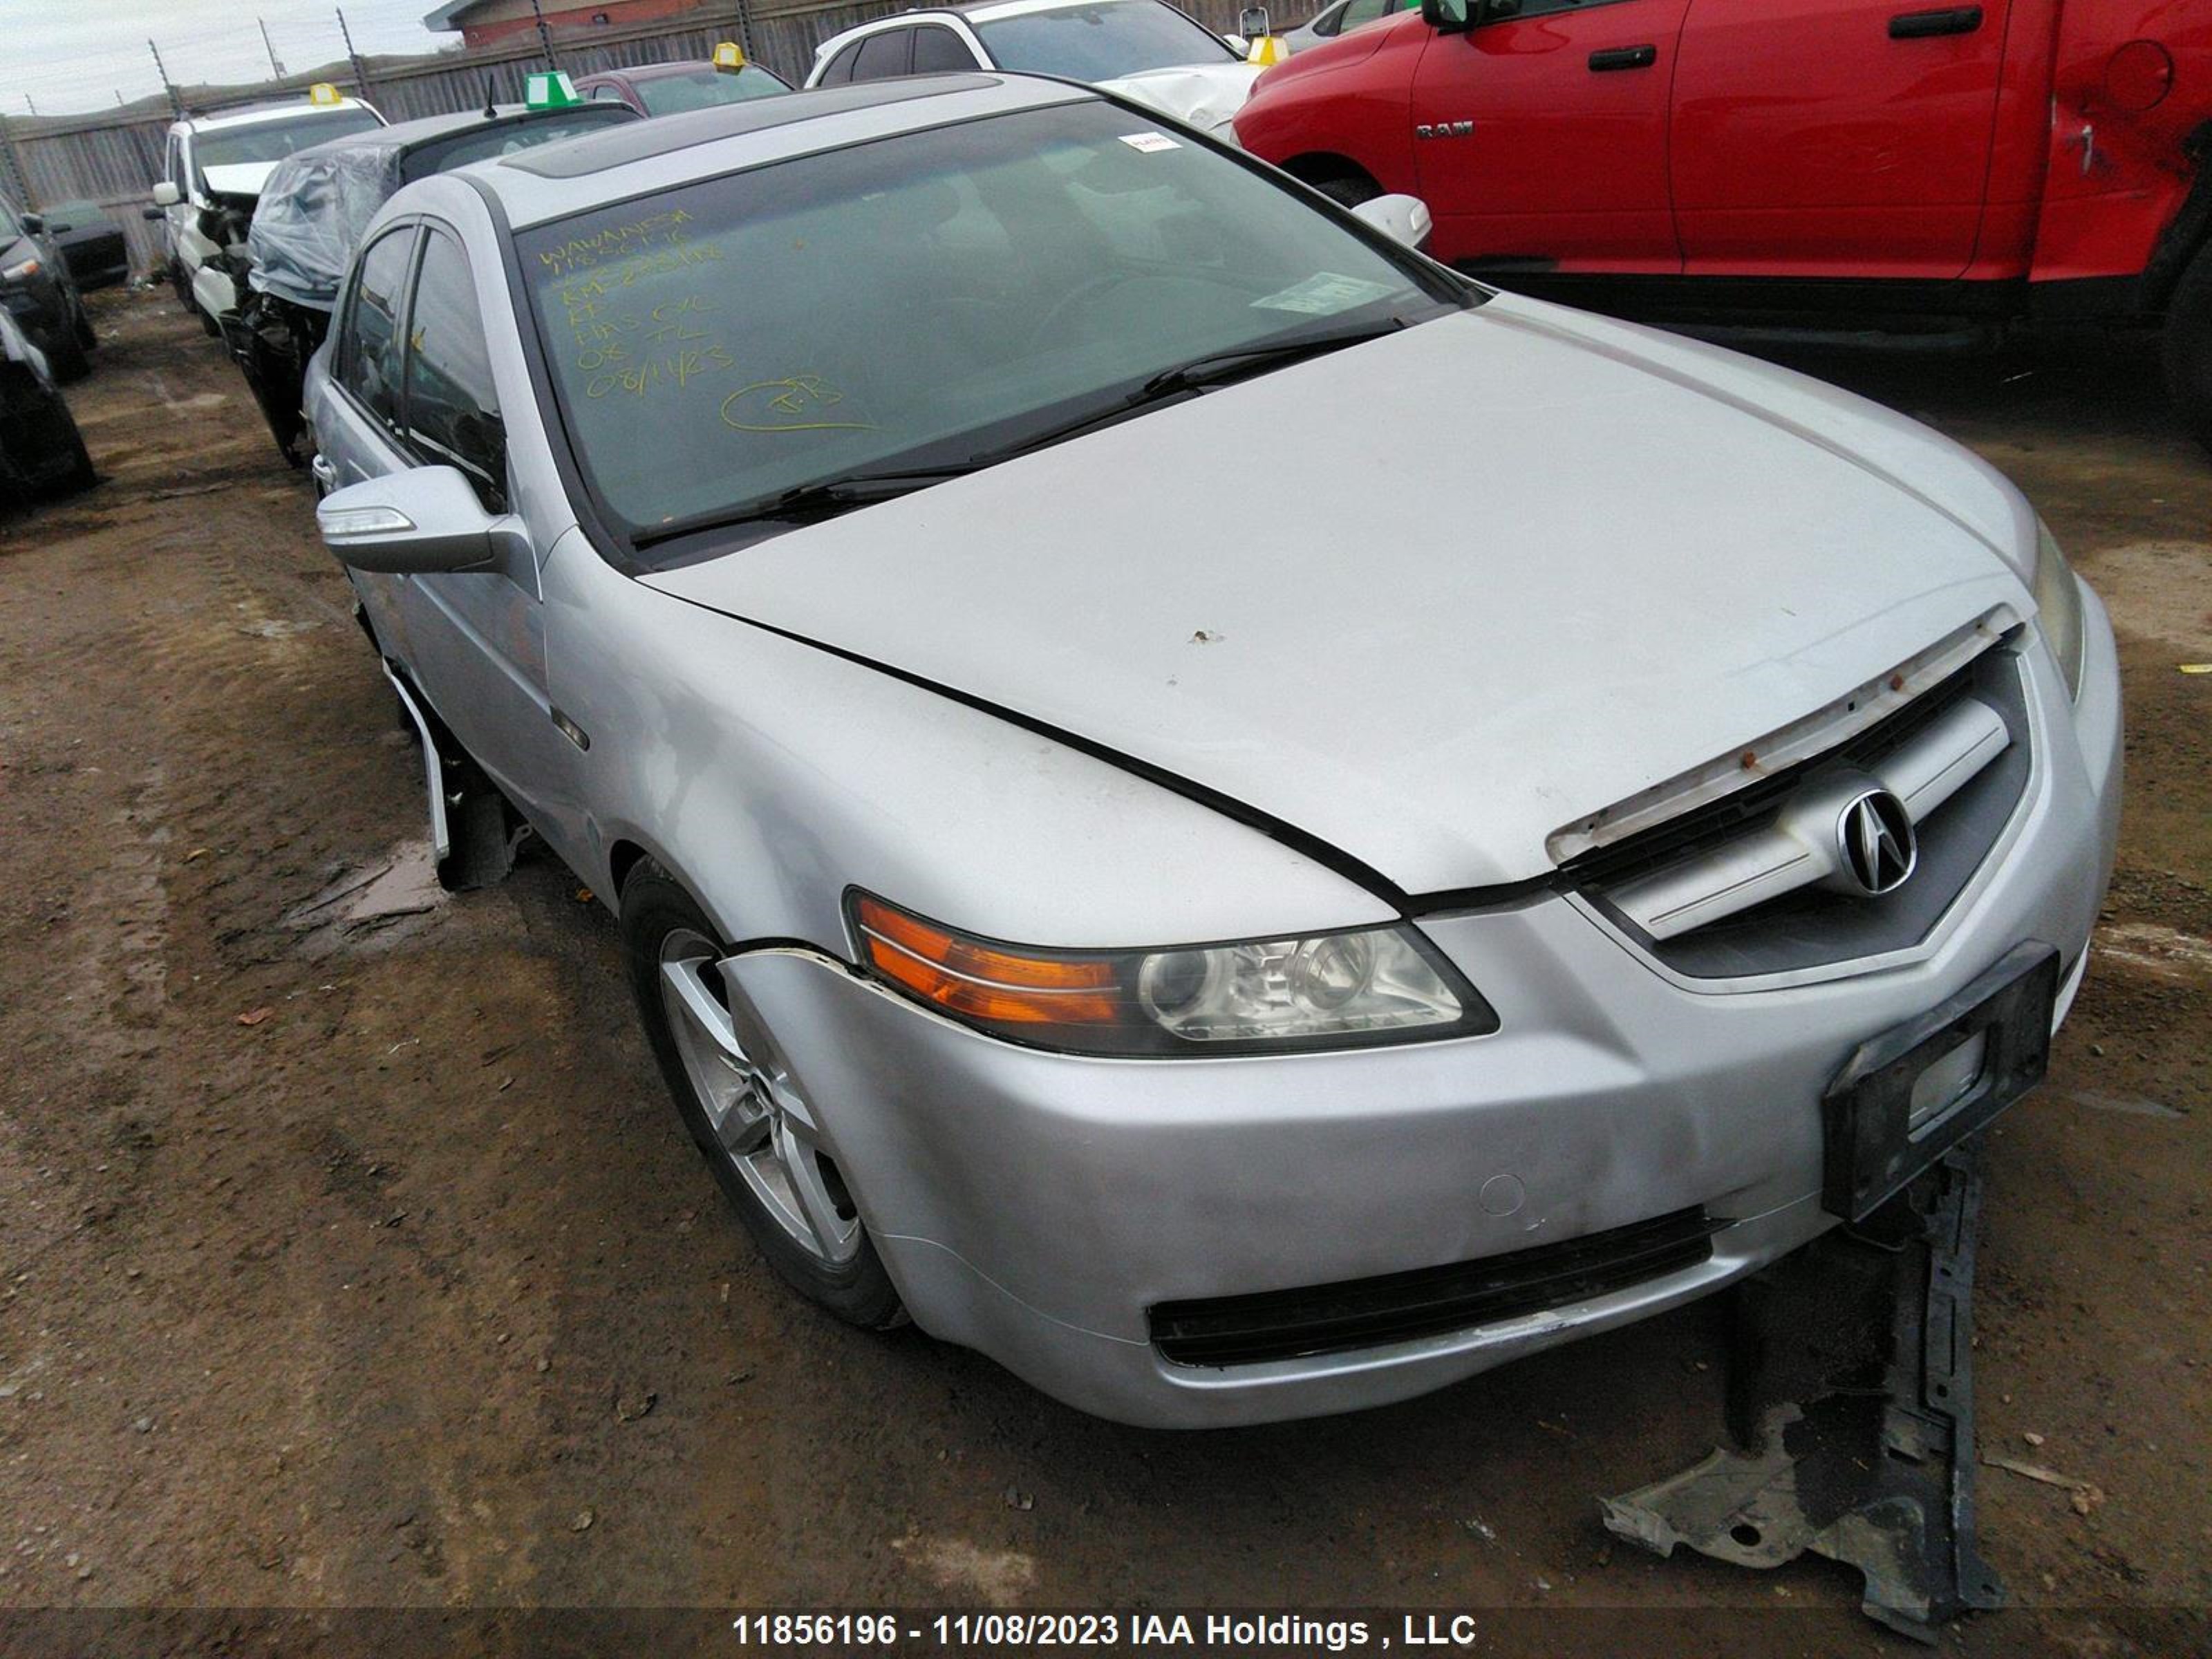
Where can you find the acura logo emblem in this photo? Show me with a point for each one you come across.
(1874, 836)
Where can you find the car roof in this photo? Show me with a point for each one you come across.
(662, 71)
(260, 113)
(405, 135)
(576, 175)
(968, 11)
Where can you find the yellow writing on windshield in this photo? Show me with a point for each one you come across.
(581, 253)
(795, 404)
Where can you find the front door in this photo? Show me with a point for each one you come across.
(1541, 137)
(1834, 139)
(418, 390)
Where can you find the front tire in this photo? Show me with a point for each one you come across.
(68, 361)
(1347, 189)
(752, 1122)
(2188, 347)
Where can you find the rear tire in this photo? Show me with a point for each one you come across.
(2188, 347)
(743, 1111)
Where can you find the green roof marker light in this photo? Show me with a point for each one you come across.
(550, 89)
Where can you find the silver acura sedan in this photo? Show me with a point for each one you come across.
(1196, 802)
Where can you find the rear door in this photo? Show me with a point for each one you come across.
(1542, 137)
(1844, 138)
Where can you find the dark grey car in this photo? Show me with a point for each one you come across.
(39, 293)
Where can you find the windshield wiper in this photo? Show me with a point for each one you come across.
(1219, 367)
(827, 497)
(823, 498)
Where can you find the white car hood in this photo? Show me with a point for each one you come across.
(1202, 95)
(239, 178)
(1431, 598)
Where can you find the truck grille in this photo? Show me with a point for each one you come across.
(1370, 1312)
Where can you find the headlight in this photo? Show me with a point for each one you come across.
(2058, 608)
(1335, 990)
(18, 273)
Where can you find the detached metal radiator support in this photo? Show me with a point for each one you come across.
(1851, 1389)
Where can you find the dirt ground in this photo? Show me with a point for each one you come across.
(351, 1254)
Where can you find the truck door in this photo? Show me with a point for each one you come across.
(1542, 135)
(1836, 138)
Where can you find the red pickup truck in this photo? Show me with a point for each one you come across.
(1891, 165)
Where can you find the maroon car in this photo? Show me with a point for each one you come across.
(666, 88)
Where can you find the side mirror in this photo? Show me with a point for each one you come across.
(425, 520)
(35, 223)
(1402, 218)
(1448, 16)
(166, 194)
(1252, 22)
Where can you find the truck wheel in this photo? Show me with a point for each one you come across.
(744, 1109)
(2189, 347)
(1347, 191)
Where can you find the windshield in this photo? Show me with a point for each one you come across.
(273, 141)
(922, 300)
(505, 138)
(1099, 42)
(702, 88)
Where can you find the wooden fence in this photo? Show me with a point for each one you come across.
(114, 159)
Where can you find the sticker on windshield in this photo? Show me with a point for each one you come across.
(1324, 293)
(1149, 142)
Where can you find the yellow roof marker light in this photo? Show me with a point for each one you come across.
(324, 95)
(549, 89)
(1267, 51)
(729, 56)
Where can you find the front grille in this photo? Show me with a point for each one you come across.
(1369, 1313)
(1719, 822)
(1813, 926)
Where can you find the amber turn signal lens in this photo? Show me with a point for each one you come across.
(983, 983)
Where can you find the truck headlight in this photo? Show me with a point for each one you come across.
(2058, 608)
(1334, 990)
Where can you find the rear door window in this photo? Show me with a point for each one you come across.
(369, 348)
(841, 67)
(883, 56)
(938, 51)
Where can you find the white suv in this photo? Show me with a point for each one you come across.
(212, 175)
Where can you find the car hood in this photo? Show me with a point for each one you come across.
(1429, 599)
(240, 179)
(1202, 95)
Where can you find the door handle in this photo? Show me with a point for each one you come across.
(1926, 25)
(1623, 57)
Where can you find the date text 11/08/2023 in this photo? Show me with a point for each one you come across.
(1265, 1631)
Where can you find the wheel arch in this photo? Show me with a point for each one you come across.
(2188, 233)
(1321, 166)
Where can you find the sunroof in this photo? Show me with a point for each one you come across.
(640, 141)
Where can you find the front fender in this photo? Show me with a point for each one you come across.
(773, 776)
